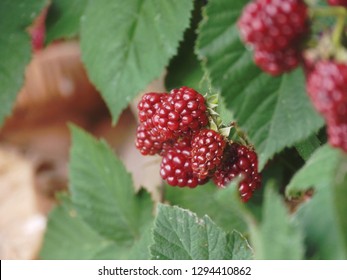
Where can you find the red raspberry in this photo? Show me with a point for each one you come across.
(148, 106)
(337, 134)
(207, 152)
(38, 31)
(327, 88)
(278, 62)
(337, 2)
(182, 112)
(147, 143)
(176, 168)
(273, 25)
(239, 160)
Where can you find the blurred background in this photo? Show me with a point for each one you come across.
(35, 141)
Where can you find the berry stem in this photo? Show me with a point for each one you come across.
(338, 29)
(340, 13)
(327, 11)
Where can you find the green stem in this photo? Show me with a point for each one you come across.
(338, 30)
(340, 13)
(327, 11)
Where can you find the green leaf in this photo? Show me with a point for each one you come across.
(103, 193)
(68, 237)
(324, 232)
(180, 234)
(323, 217)
(277, 237)
(218, 204)
(127, 44)
(274, 112)
(15, 48)
(63, 19)
(319, 171)
(184, 68)
(306, 147)
(138, 251)
(339, 201)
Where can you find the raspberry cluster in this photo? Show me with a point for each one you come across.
(175, 126)
(327, 88)
(274, 29)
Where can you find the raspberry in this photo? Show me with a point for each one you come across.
(278, 62)
(327, 88)
(338, 134)
(207, 152)
(180, 113)
(147, 143)
(38, 31)
(239, 160)
(272, 25)
(148, 106)
(337, 2)
(176, 168)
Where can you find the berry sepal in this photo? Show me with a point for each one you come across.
(215, 121)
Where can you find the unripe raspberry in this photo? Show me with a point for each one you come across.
(207, 152)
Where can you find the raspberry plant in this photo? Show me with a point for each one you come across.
(264, 164)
